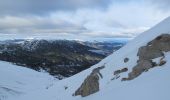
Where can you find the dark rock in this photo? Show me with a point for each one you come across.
(124, 79)
(90, 84)
(162, 62)
(154, 64)
(124, 70)
(117, 72)
(65, 87)
(120, 71)
(126, 60)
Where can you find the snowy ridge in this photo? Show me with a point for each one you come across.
(115, 62)
(151, 85)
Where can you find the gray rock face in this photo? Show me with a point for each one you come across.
(153, 49)
(141, 67)
(90, 84)
(161, 43)
(149, 52)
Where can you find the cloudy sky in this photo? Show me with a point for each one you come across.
(79, 19)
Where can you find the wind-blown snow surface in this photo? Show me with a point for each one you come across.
(16, 81)
(151, 85)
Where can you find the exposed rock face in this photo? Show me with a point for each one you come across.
(161, 43)
(90, 84)
(152, 50)
(141, 67)
(155, 48)
(149, 52)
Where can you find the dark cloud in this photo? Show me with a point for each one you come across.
(35, 25)
(67, 18)
(15, 7)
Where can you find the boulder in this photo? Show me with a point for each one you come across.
(126, 60)
(90, 84)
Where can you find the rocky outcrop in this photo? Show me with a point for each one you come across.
(141, 67)
(161, 43)
(152, 50)
(155, 48)
(90, 84)
(149, 52)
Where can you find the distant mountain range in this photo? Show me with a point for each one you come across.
(60, 58)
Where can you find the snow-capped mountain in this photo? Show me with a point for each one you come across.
(138, 71)
(60, 58)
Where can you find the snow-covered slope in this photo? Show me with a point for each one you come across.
(17, 81)
(151, 85)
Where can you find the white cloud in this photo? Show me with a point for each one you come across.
(119, 19)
